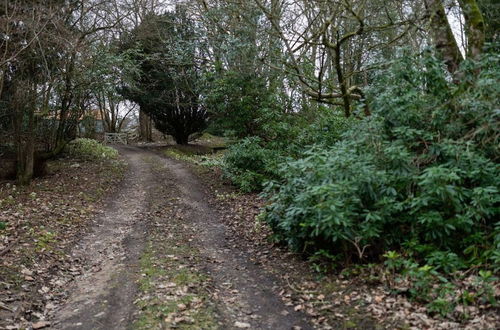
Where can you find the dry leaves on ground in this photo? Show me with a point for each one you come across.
(42, 221)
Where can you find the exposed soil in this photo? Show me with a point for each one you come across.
(247, 292)
(102, 296)
(240, 293)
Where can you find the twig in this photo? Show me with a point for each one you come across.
(8, 248)
(472, 269)
(299, 291)
(361, 251)
(2, 305)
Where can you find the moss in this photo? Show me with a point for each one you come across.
(177, 155)
(44, 239)
(159, 313)
(350, 325)
(475, 26)
(213, 141)
(148, 270)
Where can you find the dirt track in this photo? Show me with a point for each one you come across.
(103, 296)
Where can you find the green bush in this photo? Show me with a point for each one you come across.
(421, 172)
(90, 149)
(325, 129)
(238, 103)
(253, 161)
(249, 165)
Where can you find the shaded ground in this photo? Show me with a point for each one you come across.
(361, 297)
(102, 296)
(174, 247)
(159, 238)
(247, 294)
(39, 224)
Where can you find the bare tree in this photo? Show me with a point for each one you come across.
(330, 45)
(43, 84)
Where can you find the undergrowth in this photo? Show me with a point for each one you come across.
(90, 149)
(414, 185)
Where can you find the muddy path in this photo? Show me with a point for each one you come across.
(240, 293)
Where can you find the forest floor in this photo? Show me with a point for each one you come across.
(166, 244)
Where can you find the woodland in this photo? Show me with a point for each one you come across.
(370, 128)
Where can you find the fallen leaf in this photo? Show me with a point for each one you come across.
(40, 324)
(242, 325)
(27, 272)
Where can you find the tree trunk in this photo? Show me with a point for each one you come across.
(25, 149)
(66, 101)
(145, 127)
(181, 139)
(443, 38)
(475, 27)
(22, 102)
(342, 82)
(25, 160)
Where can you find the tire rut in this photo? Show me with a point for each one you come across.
(102, 297)
(249, 293)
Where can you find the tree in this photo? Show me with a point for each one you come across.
(167, 88)
(475, 27)
(112, 69)
(138, 11)
(29, 57)
(44, 85)
(330, 46)
(442, 35)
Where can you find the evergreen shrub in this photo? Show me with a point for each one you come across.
(421, 173)
(90, 149)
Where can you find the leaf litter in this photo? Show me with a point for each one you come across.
(42, 221)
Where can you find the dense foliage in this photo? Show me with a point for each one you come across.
(89, 149)
(164, 48)
(254, 160)
(248, 164)
(238, 103)
(420, 173)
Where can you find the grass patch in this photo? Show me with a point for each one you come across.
(195, 154)
(212, 141)
(174, 294)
